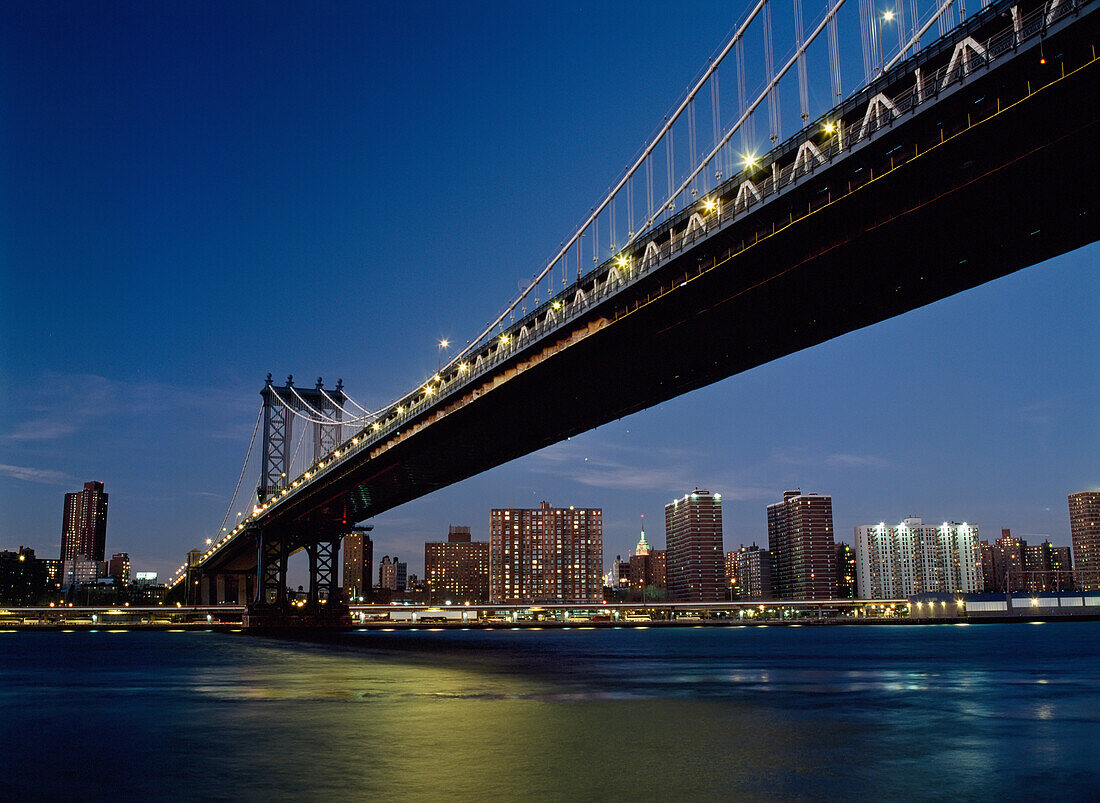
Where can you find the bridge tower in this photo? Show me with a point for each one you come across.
(315, 406)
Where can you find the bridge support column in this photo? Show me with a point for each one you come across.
(270, 570)
(270, 609)
(312, 596)
(323, 570)
(219, 590)
(204, 590)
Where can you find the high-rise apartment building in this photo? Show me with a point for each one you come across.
(893, 562)
(358, 566)
(1047, 567)
(1061, 568)
(393, 574)
(752, 572)
(457, 569)
(1084, 529)
(657, 569)
(119, 568)
(1013, 565)
(989, 561)
(545, 554)
(845, 572)
(1007, 571)
(800, 538)
(695, 562)
(731, 569)
(84, 525)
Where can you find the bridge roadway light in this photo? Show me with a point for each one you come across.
(887, 16)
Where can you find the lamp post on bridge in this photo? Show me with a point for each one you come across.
(443, 344)
(887, 16)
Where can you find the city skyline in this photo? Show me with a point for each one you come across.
(131, 299)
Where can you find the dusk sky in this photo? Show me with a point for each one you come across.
(195, 194)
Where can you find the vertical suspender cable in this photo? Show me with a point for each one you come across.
(748, 131)
(668, 160)
(914, 20)
(769, 67)
(649, 187)
(834, 55)
(803, 88)
(691, 140)
(613, 229)
(715, 114)
(596, 240)
(866, 29)
(630, 207)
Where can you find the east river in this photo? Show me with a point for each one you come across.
(873, 712)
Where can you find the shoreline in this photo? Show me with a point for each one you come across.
(237, 627)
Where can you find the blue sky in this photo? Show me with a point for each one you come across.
(194, 194)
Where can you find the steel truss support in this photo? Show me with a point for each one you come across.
(280, 406)
(278, 435)
(271, 561)
(323, 562)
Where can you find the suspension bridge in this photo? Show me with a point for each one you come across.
(962, 153)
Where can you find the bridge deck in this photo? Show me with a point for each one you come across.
(980, 183)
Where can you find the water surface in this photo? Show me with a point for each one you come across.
(883, 712)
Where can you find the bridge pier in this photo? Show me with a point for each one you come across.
(270, 607)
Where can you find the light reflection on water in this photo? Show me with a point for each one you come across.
(913, 712)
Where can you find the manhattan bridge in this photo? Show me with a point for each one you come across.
(962, 152)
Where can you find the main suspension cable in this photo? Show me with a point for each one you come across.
(244, 467)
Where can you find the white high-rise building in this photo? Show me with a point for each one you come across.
(893, 562)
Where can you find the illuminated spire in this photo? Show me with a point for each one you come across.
(643, 547)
